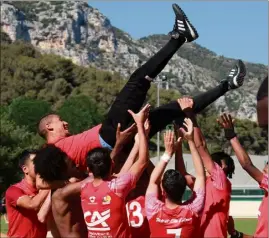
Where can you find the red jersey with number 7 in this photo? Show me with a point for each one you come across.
(104, 207)
(138, 221)
(178, 222)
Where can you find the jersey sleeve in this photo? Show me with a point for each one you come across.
(219, 177)
(196, 203)
(264, 183)
(13, 194)
(152, 204)
(122, 185)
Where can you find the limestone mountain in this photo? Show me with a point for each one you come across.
(75, 30)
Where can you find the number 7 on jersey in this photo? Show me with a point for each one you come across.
(176, 232)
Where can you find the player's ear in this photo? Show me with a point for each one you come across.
(25, 169)
(49, 127)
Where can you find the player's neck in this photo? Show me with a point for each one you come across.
(170, 205)
(97, 181)
(29, 181)
(52, 138)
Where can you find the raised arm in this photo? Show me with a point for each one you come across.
(186, 105)
(135, 150)
(143, 158)
(197, 161)
(155, 178)
(122, 138)
(201, 146)
(227, 123)
(131, 159)
(179, 162)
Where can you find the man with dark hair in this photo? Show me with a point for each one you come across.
(52, 164)
(172, 218)
(132, 97)
(219, 166)
(23, 202)
(102, 196)
(227, 123)
(56, 170)
(225, 161)
(100, 163)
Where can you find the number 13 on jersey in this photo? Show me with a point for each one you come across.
(134, 210)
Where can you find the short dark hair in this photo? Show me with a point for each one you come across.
(24, 156)
(217, 157)
(99, 162)
(174, 184)
(263, 89)
(50, 163)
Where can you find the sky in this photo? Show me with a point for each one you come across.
(236, 29)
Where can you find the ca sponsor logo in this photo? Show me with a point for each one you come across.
(98, 221)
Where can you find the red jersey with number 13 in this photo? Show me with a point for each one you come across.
(138, 221)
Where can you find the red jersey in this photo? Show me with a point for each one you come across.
(178, 222)
(262, 227)
(138, 221)
(22, 222)
(217, 203)
(77, 146)
(104, 207)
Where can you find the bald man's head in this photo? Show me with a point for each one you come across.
(52, 124)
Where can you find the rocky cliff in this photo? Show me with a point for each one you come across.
(81, 33)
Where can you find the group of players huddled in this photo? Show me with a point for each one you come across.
(101, 182)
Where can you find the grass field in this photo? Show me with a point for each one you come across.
(247, 226)
(3, 227)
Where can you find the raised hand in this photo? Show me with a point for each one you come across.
(123, 137)
(141, 116)
(188, 135)
(227, 123)
(169, 142)
(147, 127)
(186, 105)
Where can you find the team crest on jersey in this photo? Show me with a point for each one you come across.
(92, 199)
(106, 200)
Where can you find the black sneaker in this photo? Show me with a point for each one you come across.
(182, 26)
(236, 76)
